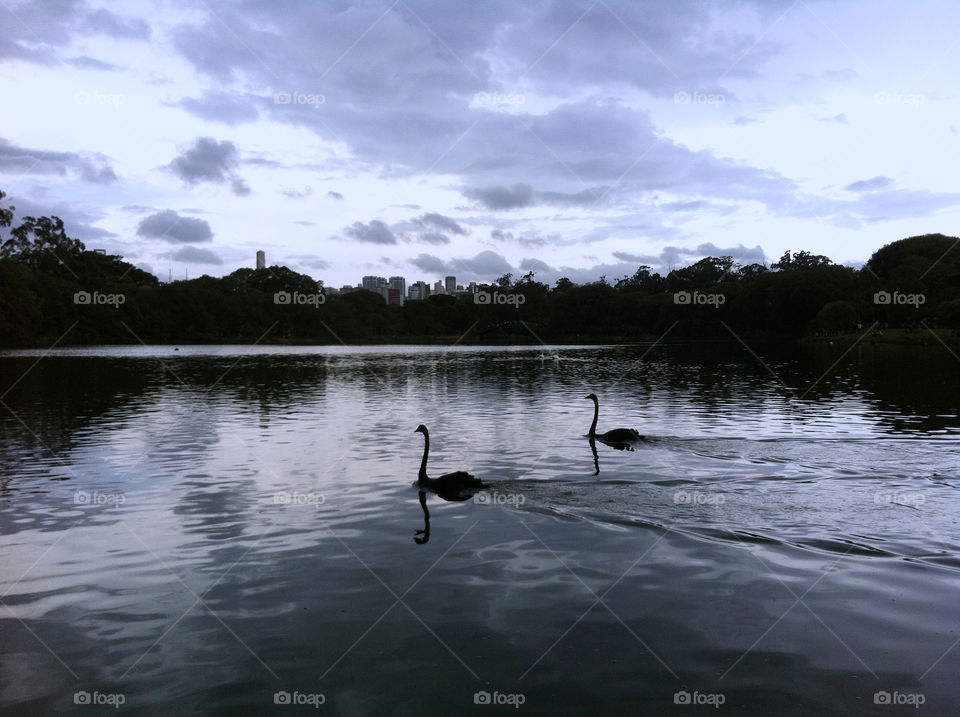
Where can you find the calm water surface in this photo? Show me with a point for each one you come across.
(215, 530)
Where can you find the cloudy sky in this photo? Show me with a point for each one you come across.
(423, 138)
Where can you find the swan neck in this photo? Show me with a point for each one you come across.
(426, 450)
(596, 413)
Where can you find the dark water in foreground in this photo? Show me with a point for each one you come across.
(217, 530)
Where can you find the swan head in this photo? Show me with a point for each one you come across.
(592, 396)
(420, 429)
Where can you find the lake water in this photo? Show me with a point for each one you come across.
(221, 530)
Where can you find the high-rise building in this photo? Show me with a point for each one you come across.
(372, 283)
(451, 285)
(394, 297)
(414, 293)
(424, 289)
(400, 284)
(261, 260)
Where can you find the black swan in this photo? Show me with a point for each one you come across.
(617, 435)
(446, 485)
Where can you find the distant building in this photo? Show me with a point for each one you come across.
(413, 294)
(472, 287)
(261, 260)
(400, 284)
(372, 283)
(394, 297)
(451, 285)
(438, 287)
(330, 290)
(348, 289)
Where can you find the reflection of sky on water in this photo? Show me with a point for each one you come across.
(284, 495)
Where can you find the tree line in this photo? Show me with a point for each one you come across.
(52, 287)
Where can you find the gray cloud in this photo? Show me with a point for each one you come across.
(229, 108)
(433, 238)
(91, 63)
(376, 232)
(210, 161)
(171, 227)
(524, 239)
(58, 24)
(21, 160)
(869, 185)
(78, 221)
(296, 193)
(486, 265)
(514, 197)
(195, 255)
(334, 195)
(433, 220)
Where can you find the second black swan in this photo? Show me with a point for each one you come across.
(617, 435)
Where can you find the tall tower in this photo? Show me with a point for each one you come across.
(451, 285)
(261, 260)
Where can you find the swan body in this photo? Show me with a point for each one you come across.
(450, 484)
(617, 435)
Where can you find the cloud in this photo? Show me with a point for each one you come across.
(376, 232)
(60, 23)
(91, 63)
(513, 197)
(433, 220)
(433, 238)
(77, 220)
(210, 161)
(672, 257)
(334, 195)
(296, 193)
(171, 227)
(840, 119)
(311, 261)
(528, 238)
(486, 265)
(20, 160)
(869, 185)
(231, 108)
(195, 255)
